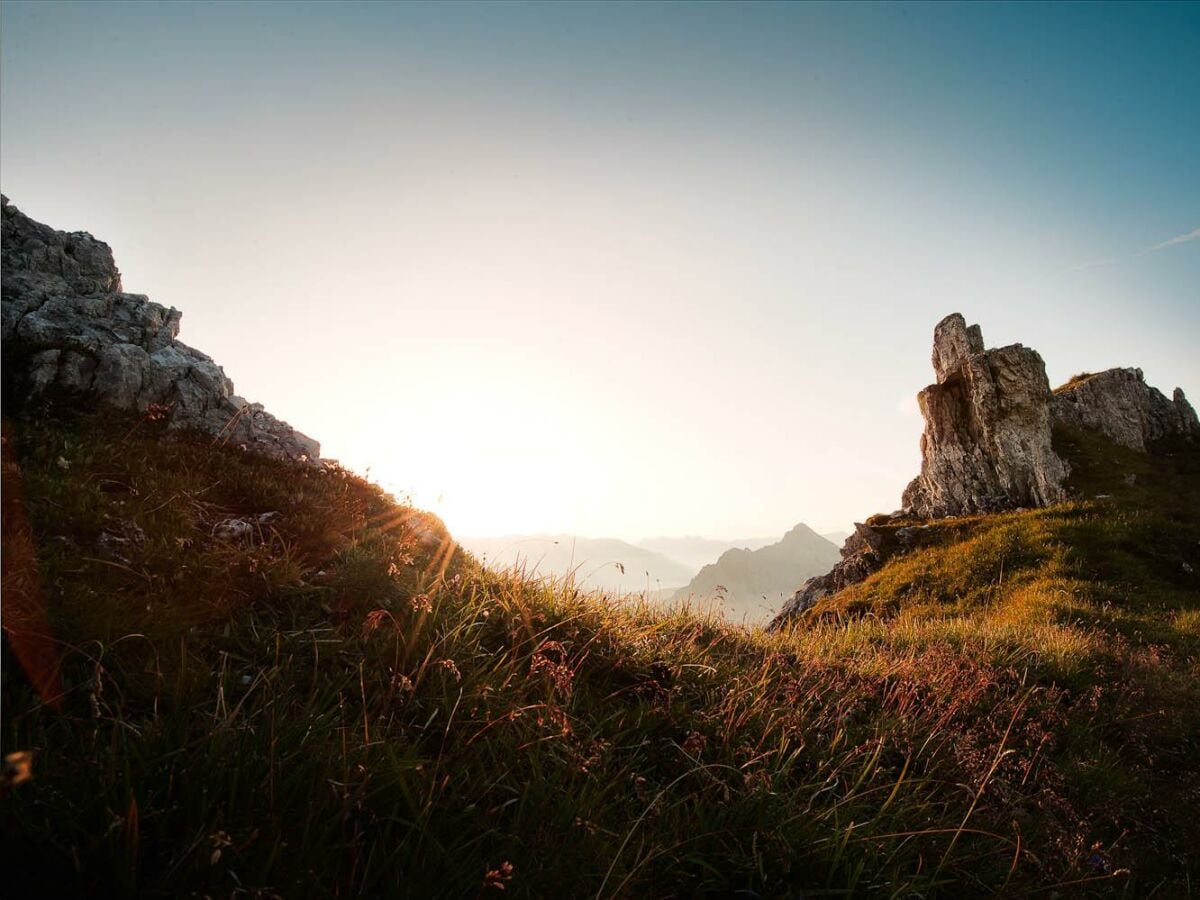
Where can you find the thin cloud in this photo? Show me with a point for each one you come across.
(1193, 235)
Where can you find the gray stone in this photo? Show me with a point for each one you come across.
(119, 374)
(1119, 404)
(233, 529)
(76, 371)
(43, 368)
(72, 328)
(953, 344)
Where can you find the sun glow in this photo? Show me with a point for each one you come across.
(538, 291)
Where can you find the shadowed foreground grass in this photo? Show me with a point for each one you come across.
(337, 703)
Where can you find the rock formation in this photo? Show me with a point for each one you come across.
(986, 444)
(69, 329)
(1119, 404)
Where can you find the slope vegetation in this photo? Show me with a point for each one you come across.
(329, 699)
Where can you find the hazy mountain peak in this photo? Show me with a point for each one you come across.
(750, 583)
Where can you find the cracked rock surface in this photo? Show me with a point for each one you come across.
(69, 328)
(987, 440)
(1119, 404)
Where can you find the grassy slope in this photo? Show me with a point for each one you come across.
(336, 706)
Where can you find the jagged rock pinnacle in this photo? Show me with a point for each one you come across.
(986, 444)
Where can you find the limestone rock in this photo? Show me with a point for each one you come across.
(986, 444)
(1119, 404)
(69, 328)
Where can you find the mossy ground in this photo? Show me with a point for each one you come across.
(339, 704)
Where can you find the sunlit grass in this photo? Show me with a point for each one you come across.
(337, 705)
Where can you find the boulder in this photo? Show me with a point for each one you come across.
(69, 328)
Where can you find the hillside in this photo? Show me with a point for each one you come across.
(334, 693)
(597, 563)
(233, 669)
(752, 584)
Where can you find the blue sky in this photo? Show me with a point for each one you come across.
(624, 269)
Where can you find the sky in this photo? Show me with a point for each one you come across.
(624, 270)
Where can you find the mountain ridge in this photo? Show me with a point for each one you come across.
(749, 584)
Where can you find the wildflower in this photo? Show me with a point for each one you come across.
(497, 878)
(449, 666)
(757, 782)
(557, 673)
(374, 621)
(421, 603)
(639, 786)
(156, 412)
(695, 744)
(556, 718)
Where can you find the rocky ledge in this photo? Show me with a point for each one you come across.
(1119, 404)
(70, 331)
(987, 444)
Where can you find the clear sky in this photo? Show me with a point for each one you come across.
(624, 269)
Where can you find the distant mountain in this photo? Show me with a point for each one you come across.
(603, 563)
(697, 552)
(750, 583)
(836, 537)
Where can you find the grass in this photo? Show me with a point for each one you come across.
(340, 703)
(1075, 381)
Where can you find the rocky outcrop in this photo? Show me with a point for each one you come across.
(986, 444)
(1119, 404)
(70, 330)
